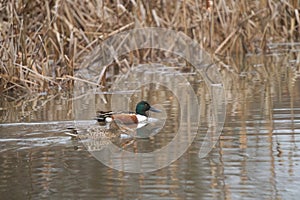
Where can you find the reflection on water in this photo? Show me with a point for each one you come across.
(36, 107)
(257, 156)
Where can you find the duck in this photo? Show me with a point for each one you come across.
(141, 115)
(96, 138)
(95, 132)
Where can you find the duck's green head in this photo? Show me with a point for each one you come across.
(142, 107)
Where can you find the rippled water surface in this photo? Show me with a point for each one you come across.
(257, 156)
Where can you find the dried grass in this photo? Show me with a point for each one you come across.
(42, 42)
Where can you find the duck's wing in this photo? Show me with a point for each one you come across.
(102, 115)
(108, 116)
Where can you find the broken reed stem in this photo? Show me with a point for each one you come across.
(83, 80)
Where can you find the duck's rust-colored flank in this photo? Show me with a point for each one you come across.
(125, 118)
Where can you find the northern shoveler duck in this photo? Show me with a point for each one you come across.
(140, 115)
(95, 132)
(98, 137)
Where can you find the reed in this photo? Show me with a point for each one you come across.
(44, 41)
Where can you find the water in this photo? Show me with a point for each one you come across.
(257, 156)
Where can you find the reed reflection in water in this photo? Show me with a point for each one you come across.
(257, 156)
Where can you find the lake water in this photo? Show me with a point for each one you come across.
(256, 157)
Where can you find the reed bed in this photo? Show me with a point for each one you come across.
(42, 42)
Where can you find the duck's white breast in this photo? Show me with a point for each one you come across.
(141, 118)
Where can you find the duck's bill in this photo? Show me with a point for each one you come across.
(154, 110)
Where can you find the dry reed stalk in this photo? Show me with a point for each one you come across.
(50, 39)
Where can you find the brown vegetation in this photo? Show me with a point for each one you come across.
(42, 42)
